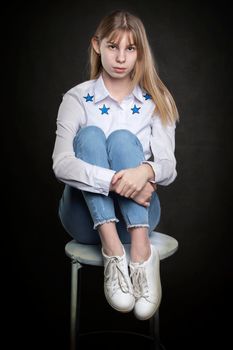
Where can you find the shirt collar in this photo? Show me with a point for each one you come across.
(137, 92)
(101, 92)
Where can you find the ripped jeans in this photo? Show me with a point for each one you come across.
(81, 212)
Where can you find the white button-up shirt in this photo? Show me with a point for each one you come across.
(90, 103)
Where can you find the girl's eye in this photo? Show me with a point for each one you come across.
(112, 46)
(131, 48)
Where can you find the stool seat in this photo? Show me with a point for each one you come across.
(88, 254)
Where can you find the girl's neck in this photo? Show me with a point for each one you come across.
(118, 88)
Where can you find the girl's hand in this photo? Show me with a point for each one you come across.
(129, 182)
(144, 196)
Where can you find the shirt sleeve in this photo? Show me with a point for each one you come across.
(66, 166)
(162, 143)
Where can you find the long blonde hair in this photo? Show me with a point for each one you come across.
(144, 72)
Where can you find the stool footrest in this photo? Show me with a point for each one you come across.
(158, 346)
(116, 332)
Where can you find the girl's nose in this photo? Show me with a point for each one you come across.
(121, 56)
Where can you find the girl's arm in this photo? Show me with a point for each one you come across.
(66, 166)
(162, 170)
(162, 144)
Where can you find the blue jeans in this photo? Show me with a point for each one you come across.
(81, 212)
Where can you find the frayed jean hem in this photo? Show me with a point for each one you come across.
(104, 222)
(137, 225)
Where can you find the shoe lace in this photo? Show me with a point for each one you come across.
(115, 276)
(139, 280)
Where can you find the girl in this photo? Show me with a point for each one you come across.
(115, 141)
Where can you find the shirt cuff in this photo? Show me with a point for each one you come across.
(157, 170)
(103, 178)
(152, 164)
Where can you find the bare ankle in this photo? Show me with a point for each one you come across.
(140, 255)
(140, 244)
(110, 240)
(113, 252)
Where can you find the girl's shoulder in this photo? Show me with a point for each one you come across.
(80, 89)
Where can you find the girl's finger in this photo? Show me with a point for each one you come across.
(120, 187)
(133, 194)
(129, 193)
(124, 190)
(116, 177)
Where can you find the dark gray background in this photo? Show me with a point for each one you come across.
(46, 55)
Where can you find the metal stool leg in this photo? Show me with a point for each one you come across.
(154, 331)
(74, 302)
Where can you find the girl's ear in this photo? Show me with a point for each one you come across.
(95, 45)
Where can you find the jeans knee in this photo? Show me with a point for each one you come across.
(91, 131)
(88, 135)
(121, 138)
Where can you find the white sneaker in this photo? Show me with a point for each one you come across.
(147, 286)
(118, 288)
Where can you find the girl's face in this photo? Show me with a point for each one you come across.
(118, 57)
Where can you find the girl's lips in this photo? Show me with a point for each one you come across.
(118, 69)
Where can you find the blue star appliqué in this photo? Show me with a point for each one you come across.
(104, 109)
(147, 96)
(135, 109)
(88, 98)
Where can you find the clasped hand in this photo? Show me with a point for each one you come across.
(133, 183)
